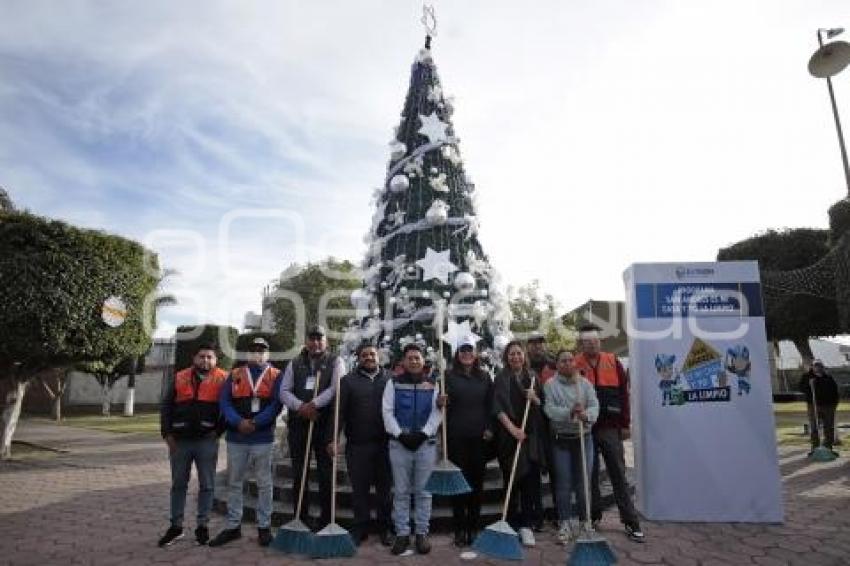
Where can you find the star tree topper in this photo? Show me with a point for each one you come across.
(436, 265)
(433, 128)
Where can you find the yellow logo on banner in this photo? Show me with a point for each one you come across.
(699, 354)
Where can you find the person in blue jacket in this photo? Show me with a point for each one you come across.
(411, 419)
(250, 405)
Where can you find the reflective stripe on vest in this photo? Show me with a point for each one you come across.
(242, 383)
(605, 374)
(208, 389)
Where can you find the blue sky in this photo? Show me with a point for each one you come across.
(598, 133)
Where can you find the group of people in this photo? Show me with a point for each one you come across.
(390, 422)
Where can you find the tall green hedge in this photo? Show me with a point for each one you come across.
(188, 338)
(54, 279)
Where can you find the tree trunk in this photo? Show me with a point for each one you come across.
(11, 414)
(57, 408)
(805, 350)
(106, 404)
(129, 401)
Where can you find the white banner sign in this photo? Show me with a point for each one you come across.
(702, 406)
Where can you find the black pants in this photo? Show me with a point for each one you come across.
(368, 465)
(826, 418)
(526, 493)
(469, 455)
(297, 438)
(609, 443)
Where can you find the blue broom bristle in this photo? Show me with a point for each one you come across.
(498, 545)
(822, 454)
(333, 542)
(292, 541)
(447, 482)
(592, 553)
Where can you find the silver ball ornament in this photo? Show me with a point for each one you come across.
(399, 183)
(464, 282)
(437, 215)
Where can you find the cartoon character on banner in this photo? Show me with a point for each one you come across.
(670, 392)
(738, 362)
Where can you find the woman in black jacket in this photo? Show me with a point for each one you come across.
(513, 386)
(470, 399)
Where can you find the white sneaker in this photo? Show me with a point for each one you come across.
(564, 533)
(527, 537)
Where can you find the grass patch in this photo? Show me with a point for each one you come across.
(800, 407)
(790, 418)
(146, 423)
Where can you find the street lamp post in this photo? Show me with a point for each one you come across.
(829, 60)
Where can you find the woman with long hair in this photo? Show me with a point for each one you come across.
(514, 386)
(470, 398)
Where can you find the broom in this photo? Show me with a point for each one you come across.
(294, 537)
(333, 541)
(445, 478)
(821, 453)
(590, 549)
(499, 540)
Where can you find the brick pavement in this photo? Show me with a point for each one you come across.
(105, 501)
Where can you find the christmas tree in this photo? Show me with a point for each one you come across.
(425, 266)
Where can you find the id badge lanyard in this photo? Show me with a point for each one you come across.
(255, 401)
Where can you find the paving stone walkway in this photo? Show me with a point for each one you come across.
(104, 500)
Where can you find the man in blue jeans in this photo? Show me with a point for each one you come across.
(249, 402)
(411, 418)
(190, 421)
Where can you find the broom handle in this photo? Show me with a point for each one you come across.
(815, 407)
(584, 476)
(516, 457)
(442, 365)
(307, 452)
(336, 439)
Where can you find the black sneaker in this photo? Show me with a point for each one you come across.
(460, 539)
(226, 536)
(400, 545)
(386, 538)
(359, 537)
(172, 535)
(423, 545)
(634, 533)
(202, 534)
(264, 536)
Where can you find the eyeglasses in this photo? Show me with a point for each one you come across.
(466, 349)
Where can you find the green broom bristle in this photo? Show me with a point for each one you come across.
(499, 540)
(293, 538)
(592, 553)
(333, 542)
(447, 482)
(822, 454)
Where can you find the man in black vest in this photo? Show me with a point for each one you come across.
(314, 372)
(360, 417)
